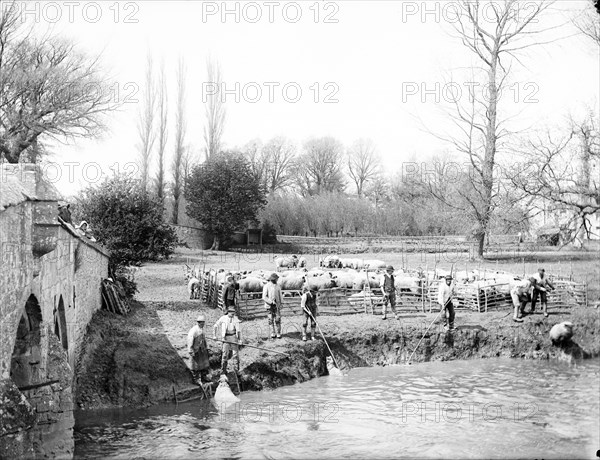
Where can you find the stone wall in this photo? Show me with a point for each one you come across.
(50, 282)
(195, 238)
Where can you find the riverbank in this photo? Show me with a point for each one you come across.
(141, 359)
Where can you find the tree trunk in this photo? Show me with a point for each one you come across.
(216, 244)
(480, 244)
(175, 217)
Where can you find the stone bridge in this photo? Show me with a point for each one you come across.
(50, 287)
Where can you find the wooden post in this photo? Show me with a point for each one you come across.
(571, 275)
(423, 288)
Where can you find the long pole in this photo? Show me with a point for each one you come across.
(434, 320)
(250, 346)
(322, 335)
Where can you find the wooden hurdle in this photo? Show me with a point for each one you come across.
(345, 301)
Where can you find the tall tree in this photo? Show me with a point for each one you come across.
(319, 168)
(48, 89)
(177, 172)
(215, 109)
(146, 124)
(493, 32)
(363, 163)
(253, 151)
(162, 132)
(278, 157)
(223, 194)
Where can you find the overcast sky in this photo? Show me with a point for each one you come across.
(367, 57)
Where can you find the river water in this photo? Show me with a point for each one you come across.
(497, 408)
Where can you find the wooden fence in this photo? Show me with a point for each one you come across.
(343, 301)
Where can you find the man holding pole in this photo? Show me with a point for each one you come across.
(230, 333)
(273, 301)
(309, 309)
(388, 289)
(198, 350)
(445, 295)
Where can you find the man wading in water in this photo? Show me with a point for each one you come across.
(198, 351)
(272, 298)
(388, 288)
(230, 332)
(309, 309)
(445, 295)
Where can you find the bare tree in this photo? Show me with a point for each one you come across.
(177, 170)
(48, 90)
(363, 163)
(319, 168)
(495, 38)
(162, 131)
(278, 157)
(556, 176)
(215, 110)
(588, 23)
(146, 124)
(378, 190)
(253, 152)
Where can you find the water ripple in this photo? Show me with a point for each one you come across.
(472, 409)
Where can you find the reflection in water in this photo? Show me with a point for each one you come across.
(469, 409)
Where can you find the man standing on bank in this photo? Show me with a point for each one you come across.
(309, 310)
(229, 289)
(540, 289)
(273, 301)
(230, 332)
(198, 350)
(388, 289)
(445, 295)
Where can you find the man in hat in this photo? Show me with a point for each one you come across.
(308, 303)
(198, 350)
(445, 295)
(229, 289)
(540, 289)
(521, 294)
(230, 332)
(273, 301)
(388, 289)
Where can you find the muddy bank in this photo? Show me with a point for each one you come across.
(128, 361)
(474, 339)
(142, 359)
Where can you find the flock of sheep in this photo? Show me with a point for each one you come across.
(350, 273)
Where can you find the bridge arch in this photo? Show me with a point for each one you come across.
(60, 324)
(26, 360)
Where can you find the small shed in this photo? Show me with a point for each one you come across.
(254, 236)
